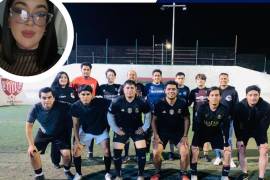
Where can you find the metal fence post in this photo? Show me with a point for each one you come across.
(106, 52)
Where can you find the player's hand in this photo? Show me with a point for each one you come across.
(120, 132)
(32, 149)
(184, 140)
(139, 131)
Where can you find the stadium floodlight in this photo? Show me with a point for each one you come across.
(184, 8)
(168, 45)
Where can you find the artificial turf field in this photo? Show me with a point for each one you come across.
(14, 163)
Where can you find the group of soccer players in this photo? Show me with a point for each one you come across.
(156, 111)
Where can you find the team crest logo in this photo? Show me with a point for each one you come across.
(129, 110)
(171, 112)
(136, 110)
(179, 111)
(163, 112)
(11, 88)
(72, 95)
(228, 98)
(219, 116)
(122, 110)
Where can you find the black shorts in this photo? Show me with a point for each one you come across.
(42, 140)
(217, 141)
(123, 139)
(259, 139)
(174, 138)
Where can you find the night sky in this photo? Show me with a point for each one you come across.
(211, 24)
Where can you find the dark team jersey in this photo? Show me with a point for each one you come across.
(212, 123)
(52, 122)
(155, 92)
(128, 115)
(170, 119)
(64, 94)
(229, 98)
(251, 120)
(198, 97)
(140, 90)
(109, 92)
(183, 92)
(92, 117)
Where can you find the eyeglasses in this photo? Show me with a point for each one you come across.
(22, 16)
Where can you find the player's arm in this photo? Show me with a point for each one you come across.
(76, 127)
(113, 125)
(226, 129)
(237, 122)
(146, 125)
(184, 139)
(29, 136)
(154, 128)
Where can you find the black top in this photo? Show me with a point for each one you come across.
(66, 94)
(183, 92)
(140, 90)
(128, 115)
(53, 122)
(170, 119)
(109, 92)
(251, 120)
(211, 123)
(198, 97)
(92, 117)
(229, 99)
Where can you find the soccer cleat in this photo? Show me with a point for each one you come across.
(56, 166)
(217, 161)
(69, 175)
(77, 177)
(108, 176)
(185, 177)
(155, 177)
(125, 159)
(118, 178)
(224, 178)
(140, 178)
(206, 158)
(171, 156)
(42, 177)
(232, 164)
(194, 177)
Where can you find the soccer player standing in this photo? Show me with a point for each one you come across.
(171, 123)
(89, 117)
(125, 119)
(52, 117)
(252, 119)
(212, 126)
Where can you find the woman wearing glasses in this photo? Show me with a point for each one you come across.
(29, 43)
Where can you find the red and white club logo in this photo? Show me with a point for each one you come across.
(11, 88)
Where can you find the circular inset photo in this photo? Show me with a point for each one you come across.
(35, 35)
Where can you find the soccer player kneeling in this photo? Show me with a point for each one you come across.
(125, 119)
(171, 123)
(91, 114)
(55, 127)
(213, 123)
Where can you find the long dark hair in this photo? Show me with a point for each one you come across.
(47, 49)
(55, 82)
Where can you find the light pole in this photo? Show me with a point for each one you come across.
(184, 7)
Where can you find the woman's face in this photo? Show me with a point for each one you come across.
(28, 30)
(63, 80)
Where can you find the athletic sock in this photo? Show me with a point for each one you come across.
(38, 172)
(107, 162)
(225, 170)
(66, 168)
(78, 164)
(193, 167)
(183, 173)
(117, 161)
(260, 178)
(141, 160)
